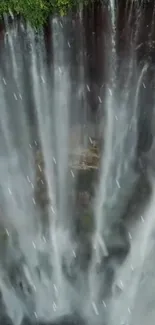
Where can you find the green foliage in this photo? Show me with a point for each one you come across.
(37, 11)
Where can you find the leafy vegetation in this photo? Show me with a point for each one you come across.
(37, 11)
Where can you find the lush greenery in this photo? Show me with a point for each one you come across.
(37, 11)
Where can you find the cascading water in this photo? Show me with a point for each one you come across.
(20, 213)
(41, 277)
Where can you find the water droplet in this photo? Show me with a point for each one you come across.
(104, 304)
(34, 287)
(144, 85)
(95, 308)
(52, 209)
(11, 14)
(7, 232)
(69, 45)
(20, 96)
(30, 146)
(42, 182)
(54, 160)
(116, 118)
(129, 310)
(132, 268)
(55, 288)
(54, 306)
(43, 80)
(129, 235)
(32, 185)
(121, 284)
(72, 174)
(60, 70)
(15, 96)
(118, 184)
(34, 201)
(110, 91)
(90, 139)
(102, 244)
(142, 218)
(74, 254)
(61, 24)
(4, 81)
(88, 88)
(100, 100)
(40, 168)
(9, 191)
(28, 179)
(35, 314)
(44, 239)
(138, 46)
(34, 245)
(35, 142)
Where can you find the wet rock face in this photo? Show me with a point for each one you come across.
(65, 320)
(41, 194)
(6, 320)
(118, 247)
(145, 138)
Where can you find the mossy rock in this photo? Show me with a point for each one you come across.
(86, 180)
(87, 222)
(3, 235)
